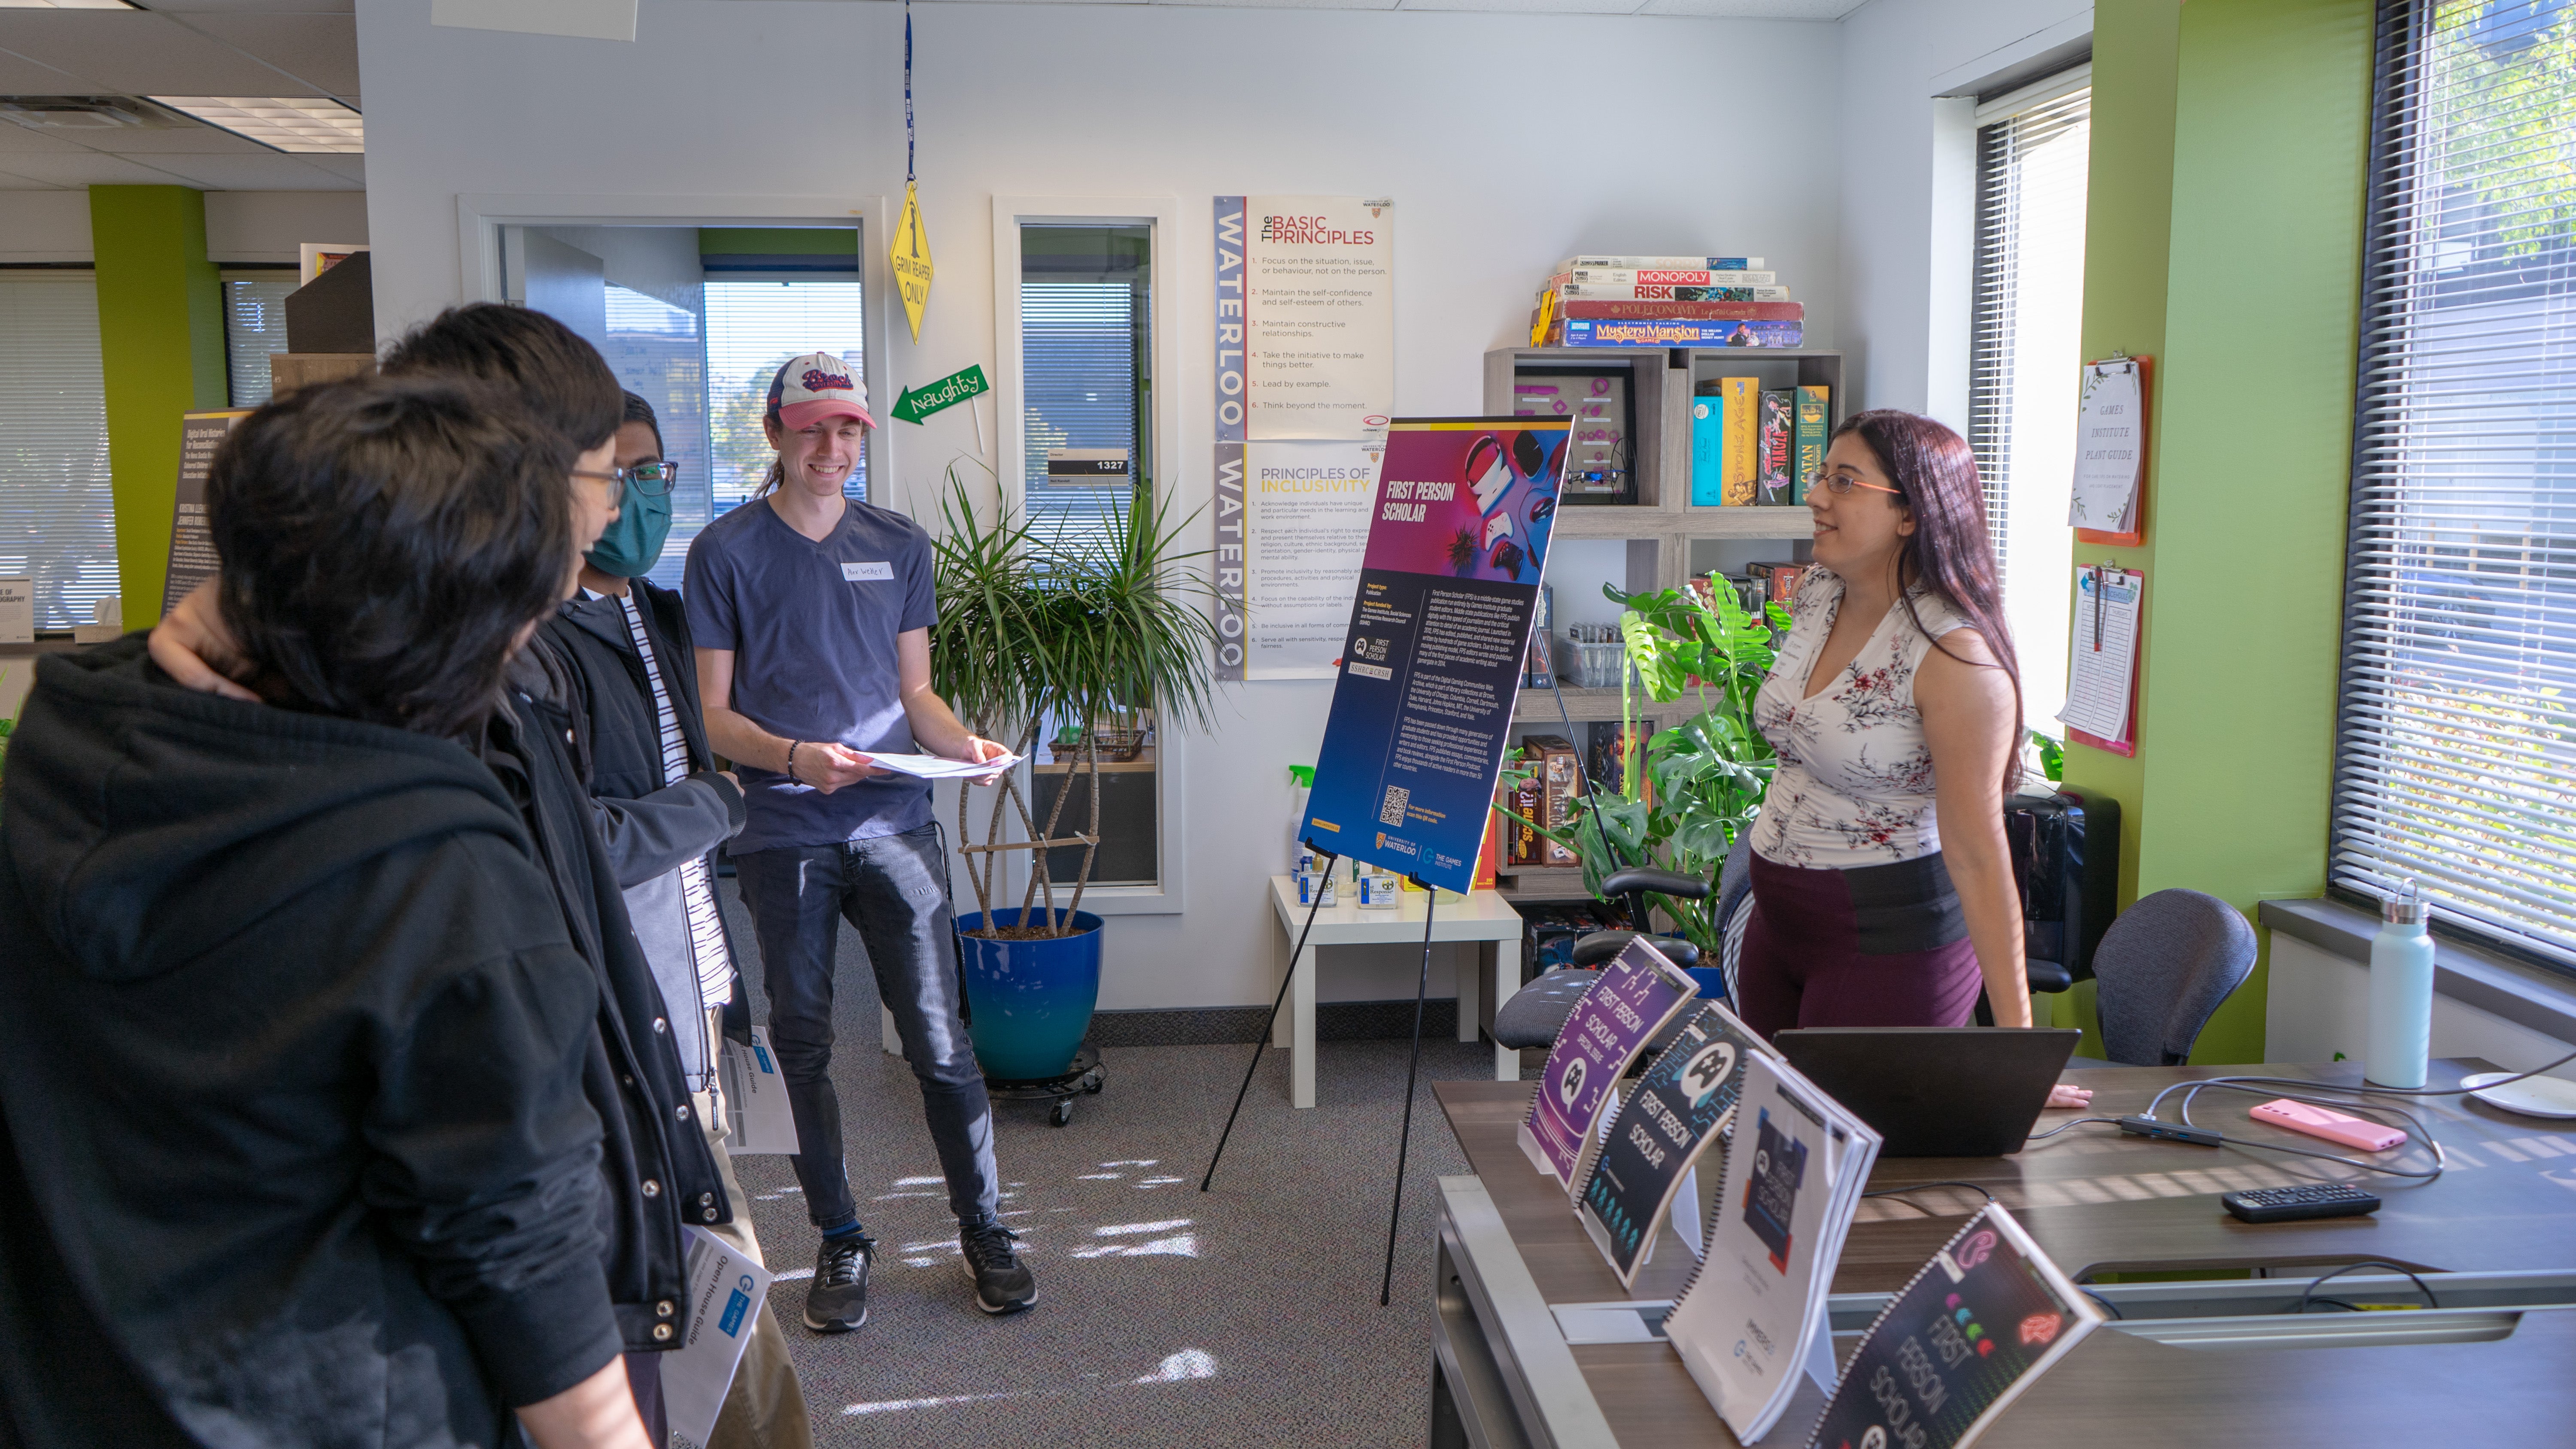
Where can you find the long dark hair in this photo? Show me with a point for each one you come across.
(1951, 550)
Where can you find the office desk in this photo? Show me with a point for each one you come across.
(1510, 1247)
(1483, 916)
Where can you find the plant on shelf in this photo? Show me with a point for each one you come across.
(1101, 628)
(1681, 802)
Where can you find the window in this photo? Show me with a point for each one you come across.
(1085, 366)
(2033, 153)
(2456, 760)
(57, 514)
(254, 327)
(754, 327)
(655, 348)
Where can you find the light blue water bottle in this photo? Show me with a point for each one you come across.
(2401, 992)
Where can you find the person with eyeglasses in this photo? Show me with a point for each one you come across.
(1882, 892)
(653, 780)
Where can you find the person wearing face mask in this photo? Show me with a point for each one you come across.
(650, 774)
(656, 1171)
(1882, 893)
(812, 615)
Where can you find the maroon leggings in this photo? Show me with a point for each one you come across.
(1878, 945)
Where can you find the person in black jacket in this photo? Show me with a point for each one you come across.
(293, 1143)
(656, 1171)
(650, 771)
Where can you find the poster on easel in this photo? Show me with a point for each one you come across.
(2108, 504)
(2102, 658)
(1432, 650)
(192, 558)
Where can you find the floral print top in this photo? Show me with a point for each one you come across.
(1854, 784)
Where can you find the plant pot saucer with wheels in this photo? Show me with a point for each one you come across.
(1082, 1078)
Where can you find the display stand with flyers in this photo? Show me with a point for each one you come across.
(1648, 1154)
(1638, 995)
(1976, 1326)
(1751, 1321)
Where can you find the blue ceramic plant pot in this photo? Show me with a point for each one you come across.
(1031, 1001)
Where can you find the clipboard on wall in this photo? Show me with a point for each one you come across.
(2102, 667)
(2110, 496)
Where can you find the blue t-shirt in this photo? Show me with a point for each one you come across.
(812, 628)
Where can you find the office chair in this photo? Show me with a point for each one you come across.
(1537, 1012)
(2163, 968)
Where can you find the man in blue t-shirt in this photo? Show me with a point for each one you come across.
(811, 615)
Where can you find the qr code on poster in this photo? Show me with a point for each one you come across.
(1392, 812)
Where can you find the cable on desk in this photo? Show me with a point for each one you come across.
(2107, 1305)
(2420, 1285)
(2423, 1133)
(1898, 1193)
(2078, 1122)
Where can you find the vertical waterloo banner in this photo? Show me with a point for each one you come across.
(1227, 341)
(1431, 659)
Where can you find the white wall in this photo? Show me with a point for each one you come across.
(270, 226)
(44, 226)
(1907, 177)
(2318, 1006)
(1463, 119)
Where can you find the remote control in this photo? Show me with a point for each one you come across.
(2286, 1204)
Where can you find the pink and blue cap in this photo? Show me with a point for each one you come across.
(816, 386)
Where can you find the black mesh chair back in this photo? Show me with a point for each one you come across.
(2163, 968)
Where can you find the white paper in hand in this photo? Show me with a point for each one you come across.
(939, 767)
(726, 1290)
(757, 1119)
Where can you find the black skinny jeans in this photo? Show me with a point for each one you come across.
(893, 890)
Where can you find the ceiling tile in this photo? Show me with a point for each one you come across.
(137, 53)
(1289, 4)
(255, 7)
(87, 168)
(1530, 7)
(21, 140)
(352, 169)
(182, 140)
(1756, 9)
(320, 50)
(267, 171)
(20, 76)
(12, 181)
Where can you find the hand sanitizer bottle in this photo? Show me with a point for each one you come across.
(2401, 992)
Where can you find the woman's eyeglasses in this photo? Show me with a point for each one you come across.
(1841, 484)
(650, 479)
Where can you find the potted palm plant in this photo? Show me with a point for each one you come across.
(1684, 799)
(1035, 628)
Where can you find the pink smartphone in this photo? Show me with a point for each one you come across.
(2332, 1126)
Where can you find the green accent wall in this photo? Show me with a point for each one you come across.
(2240, 276)
(161, 349)
(778, 241)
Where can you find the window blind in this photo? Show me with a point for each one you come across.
(753, 328)
(2456, 745)
(2033, 156)
(254, 327)
(57, 515)
(1079, 343)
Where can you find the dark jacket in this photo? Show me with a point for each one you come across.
(292, 1143)
(655, 1162)
(618, 734)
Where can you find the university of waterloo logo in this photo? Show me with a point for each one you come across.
(817, 380)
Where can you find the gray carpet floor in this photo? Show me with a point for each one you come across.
(1166, 1316)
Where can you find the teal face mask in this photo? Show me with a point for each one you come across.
(633, 544)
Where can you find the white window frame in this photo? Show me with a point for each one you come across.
(1165, 280)
(481, 216)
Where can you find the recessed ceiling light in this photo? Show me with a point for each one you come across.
(288, 123)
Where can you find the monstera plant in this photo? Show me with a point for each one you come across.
(1684, 798)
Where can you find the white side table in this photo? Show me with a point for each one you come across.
(1482, 916)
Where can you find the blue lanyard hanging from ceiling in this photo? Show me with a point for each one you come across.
(907, 91)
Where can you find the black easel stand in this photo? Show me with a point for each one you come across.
(1404, 1144)
(1262, 1043)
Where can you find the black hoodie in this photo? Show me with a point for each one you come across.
(293, 1142)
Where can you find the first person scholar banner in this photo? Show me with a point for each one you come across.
(1431, 662)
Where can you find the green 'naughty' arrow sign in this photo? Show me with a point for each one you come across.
(948, 391)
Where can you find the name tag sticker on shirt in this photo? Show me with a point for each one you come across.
(858, 572)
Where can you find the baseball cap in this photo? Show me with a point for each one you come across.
(816, 386)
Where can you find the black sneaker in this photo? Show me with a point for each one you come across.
(1003, 1284)
(837, 1300)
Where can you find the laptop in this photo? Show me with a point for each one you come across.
(1936, 1091)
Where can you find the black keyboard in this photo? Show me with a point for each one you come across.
(2286, 1204)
